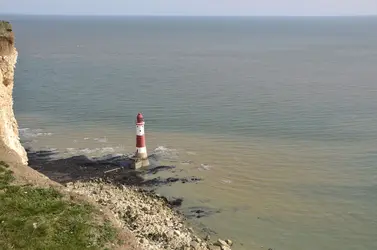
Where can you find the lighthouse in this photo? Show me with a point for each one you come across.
(141, 156)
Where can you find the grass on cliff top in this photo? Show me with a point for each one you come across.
(40, 218)
(5, 28)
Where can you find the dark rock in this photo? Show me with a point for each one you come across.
(172, 179)
(157, 169)
(176, 202)
(168, 181)
(199, 212)
(81, 168)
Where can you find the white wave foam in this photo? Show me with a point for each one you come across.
(226, 181)
(88, 150)
(91, 151)
(107, 150)
(204, 167)
(166, 153)
(104, 139)
(44, 134)
(46, 149)
(32, 133)
(80, 150)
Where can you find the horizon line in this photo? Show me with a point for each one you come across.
(176, 15)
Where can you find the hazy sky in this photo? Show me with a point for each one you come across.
(191, 7)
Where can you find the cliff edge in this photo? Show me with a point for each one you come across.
(11, 150)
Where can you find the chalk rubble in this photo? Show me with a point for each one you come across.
(153, 222)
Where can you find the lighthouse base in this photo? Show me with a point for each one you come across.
(140, 160)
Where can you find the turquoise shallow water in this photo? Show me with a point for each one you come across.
(278, 115)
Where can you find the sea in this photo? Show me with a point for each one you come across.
(276, 115)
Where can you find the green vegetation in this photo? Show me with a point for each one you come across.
(5, 28)
(6, 38)
(40, 218)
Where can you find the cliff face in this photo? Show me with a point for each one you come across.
(11, 150)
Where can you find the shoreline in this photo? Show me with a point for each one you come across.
(153, 219)
(148, 216)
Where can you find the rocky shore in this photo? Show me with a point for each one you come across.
(150, 217)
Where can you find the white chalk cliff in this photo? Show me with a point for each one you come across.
(11, 150)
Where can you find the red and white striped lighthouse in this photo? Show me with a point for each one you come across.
(141, 149)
